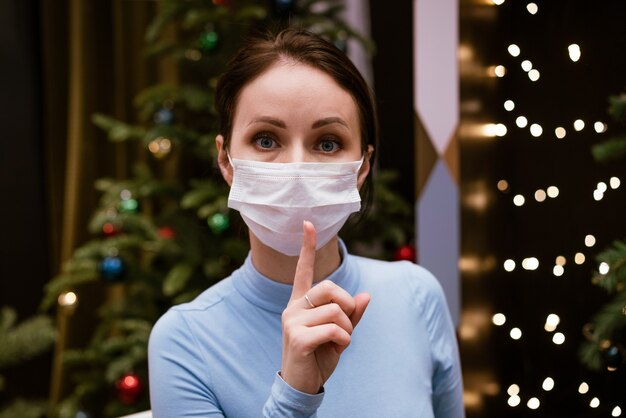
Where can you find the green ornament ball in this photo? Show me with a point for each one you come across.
(218, 223)
(208, 41)
(129, 206)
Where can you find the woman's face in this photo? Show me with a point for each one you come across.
(295, 113)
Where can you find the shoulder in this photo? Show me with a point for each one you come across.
(174, 324)
(412, 280)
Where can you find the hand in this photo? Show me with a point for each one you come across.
(315, 337)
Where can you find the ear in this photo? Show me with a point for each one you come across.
(222, 160)
(365, 167)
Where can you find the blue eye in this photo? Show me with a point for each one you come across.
(265, 142)
(329, 145)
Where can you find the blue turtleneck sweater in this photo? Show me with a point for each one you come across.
(218, 356)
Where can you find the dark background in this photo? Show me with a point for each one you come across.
(566, 91)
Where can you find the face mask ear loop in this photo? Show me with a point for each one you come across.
(360, 163)
(230, 160)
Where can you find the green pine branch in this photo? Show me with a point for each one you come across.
(21, 408)
(25, 340)
(609, 323)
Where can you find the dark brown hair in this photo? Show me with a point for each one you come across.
(304, 47)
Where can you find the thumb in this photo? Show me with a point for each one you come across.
(361, 301)
(305, 268)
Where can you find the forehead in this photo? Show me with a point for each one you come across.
(295, 90)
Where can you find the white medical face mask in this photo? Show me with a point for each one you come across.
(275, 198)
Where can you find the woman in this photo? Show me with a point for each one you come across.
(293, 333)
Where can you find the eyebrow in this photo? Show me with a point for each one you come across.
(272, 121)
(328, 121)
(317, 124)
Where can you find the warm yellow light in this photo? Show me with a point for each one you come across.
(536, 130)
(521, 121)
(518, 200)
(514, 50)
(579, 258)
(595, 402)
(534, 74)
(513, 390)
(558, 270)
(599, 127)
(154, 147)
(579, 124)
(602, 186)
(516, 333)
(533, 403)
(553, 191)
(560, 132)
(540, 195)
(574, 52)
(465, 52)
(193, 55)
(548, 384)
(500, 71)
(583, 388)
(514, 401)
(598, 195)
(549, 328)
(527, 65)
(553, 320)
(489, 129)
(509, 105)
(498, 319)
(509, 265)
(67, 299)
(616, 412)
(125, 194)
(472, 399)
(532, 8)
(497, 2)
(603, 268)
(590, 240)
(500, 129)
(503, 185)
(614, 182)
(560, 260)
(558, 338)
(530, 263)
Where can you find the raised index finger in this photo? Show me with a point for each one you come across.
(305, 268)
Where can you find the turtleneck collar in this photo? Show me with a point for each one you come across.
(274, 296)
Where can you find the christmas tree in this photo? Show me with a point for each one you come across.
(165, 234)
(606, 334)
(19, 343)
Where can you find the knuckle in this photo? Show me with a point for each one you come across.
(335, 309)
(327, 286)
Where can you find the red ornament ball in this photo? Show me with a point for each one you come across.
(406, 252)
(128, 389)
(166, 232)
(110, 229)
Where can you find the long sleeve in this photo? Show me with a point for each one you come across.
(287, 402)
(178, 373)
(447, 378)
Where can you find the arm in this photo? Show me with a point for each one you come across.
(285, 402)
(447, 380)
(179, 375)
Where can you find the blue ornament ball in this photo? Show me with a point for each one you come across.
(164, 116)
(112, 269)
